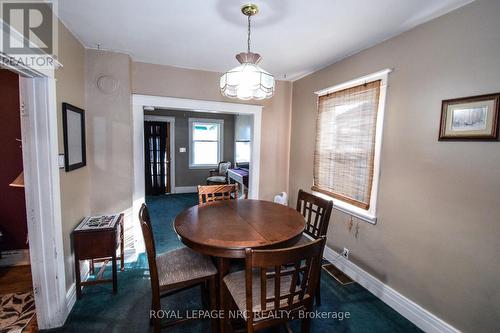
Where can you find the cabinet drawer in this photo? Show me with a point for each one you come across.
(90, 245)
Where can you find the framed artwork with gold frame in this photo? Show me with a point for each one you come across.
(472, 118)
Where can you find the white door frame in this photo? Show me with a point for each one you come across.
(171, 121)
(43, 204)
(39, 130)
(141, 101)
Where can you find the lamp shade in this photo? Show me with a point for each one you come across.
(19, 181)
(247, 81)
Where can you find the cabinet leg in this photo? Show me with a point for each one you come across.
(115, 282)
(122, 248)
(78, 278)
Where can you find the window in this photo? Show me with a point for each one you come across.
(205, 142)
(242, 152)
(348, 138)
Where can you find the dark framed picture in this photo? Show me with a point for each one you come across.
(74, 137)
(472, 118)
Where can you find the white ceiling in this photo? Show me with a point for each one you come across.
(294, 37)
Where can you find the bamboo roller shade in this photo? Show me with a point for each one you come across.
(345, 143)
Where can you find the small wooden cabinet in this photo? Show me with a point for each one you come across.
(97, 239)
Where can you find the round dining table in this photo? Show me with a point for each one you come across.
(225, 229)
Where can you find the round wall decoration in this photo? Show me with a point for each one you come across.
(107, 84)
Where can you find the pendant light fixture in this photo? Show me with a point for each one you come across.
(247, 81)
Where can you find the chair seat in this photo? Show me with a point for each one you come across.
(217, 179)
(235, 283)
(303, 240)
(182, 265)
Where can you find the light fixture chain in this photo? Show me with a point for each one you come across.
(249, 31)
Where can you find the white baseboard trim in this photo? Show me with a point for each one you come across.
(19, 257)
(419, 316)
(71, 292)
(186, 189)
(70, 300)
(130, 256)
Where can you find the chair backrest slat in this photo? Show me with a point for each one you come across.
(293, 283)
(147, 233)
(263, 287)
(284, 266)
(277, 286)
(316, 211)
(210, 193)
(306, 270)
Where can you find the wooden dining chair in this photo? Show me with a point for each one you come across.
(210, 193)
(317, 212)
(174, 271)
(269, 285)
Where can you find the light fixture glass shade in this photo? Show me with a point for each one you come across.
(247, 81)
(19, 181)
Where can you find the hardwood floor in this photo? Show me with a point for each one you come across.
(17, 279)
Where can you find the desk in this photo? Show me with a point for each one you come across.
(96, 241)
(224, 229)
(240, 176)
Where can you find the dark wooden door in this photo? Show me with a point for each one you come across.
(157, 157)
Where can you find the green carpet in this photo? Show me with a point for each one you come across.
(128, 311)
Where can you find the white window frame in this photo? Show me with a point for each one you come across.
(220, 122)
(245, 141)
(369, 215)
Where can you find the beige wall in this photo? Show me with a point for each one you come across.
(437, 236)
(75, 185)
(149, 79)
(109, 124)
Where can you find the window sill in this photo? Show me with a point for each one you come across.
(349, 209)
(201, 167)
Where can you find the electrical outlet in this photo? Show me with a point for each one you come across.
(345, 253)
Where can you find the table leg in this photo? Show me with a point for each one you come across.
(223, 268)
